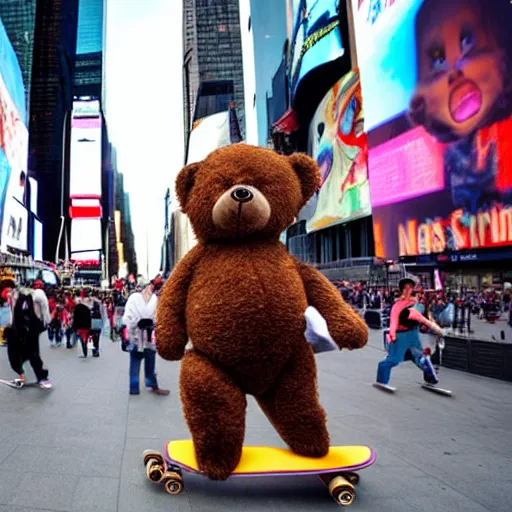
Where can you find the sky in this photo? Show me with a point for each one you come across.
(144, 111)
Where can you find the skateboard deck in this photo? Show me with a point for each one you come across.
(13, 384)
(384, 387)
(435, 389)
(337, 469)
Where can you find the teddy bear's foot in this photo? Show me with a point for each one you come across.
(214, 409)
(218, 467)
(316, 448)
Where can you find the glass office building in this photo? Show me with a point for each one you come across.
(213, 68)
(19, 18)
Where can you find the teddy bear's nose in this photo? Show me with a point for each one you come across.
(242, 195)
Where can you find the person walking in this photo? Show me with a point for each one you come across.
(139, 319)
(30, 317)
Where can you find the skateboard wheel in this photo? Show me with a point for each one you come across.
(344, 497)
(173, 483)
(353, 478)
(342, 491)
(151, 454)
(154, 470)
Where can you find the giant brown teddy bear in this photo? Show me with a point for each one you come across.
(240, 298)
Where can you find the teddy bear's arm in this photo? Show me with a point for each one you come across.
(345, 325)
(171, 328)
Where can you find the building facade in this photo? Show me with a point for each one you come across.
(88, 74)
(213, 69)
(50, 106)
(19, 18)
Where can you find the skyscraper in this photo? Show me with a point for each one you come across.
(19, 18)
(50, 104)
(89, 49)
(213, 72)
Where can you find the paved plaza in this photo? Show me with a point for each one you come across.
(78, 447)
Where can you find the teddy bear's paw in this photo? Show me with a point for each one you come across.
(316, 449)
(217, 470)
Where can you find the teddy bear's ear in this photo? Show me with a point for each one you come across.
(308, 172)
(184, 183)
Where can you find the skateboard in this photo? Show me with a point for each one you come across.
(384, 387)
(435, 389)
(15, 383)
(337, 470)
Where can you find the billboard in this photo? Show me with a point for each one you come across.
(436, 81)
(13, 149)
(208, 134)
(38, 240)
(86, 242)
(316, 37)
(85, 182)
(85, 170)
(339, 144)
(15, 226)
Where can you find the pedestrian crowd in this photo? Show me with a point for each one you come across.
(79, 315)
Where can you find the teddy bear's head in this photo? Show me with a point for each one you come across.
(242, 191)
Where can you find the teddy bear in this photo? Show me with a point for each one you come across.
(239, 297)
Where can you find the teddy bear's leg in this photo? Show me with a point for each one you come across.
(214, 408)
(293, 408)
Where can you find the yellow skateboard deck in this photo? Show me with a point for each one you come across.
(267, 460)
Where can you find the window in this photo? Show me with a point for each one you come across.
(250, 24)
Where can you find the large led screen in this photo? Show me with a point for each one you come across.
(85, 172)
(208, 134)
(13, 148)
(86, 242)
(340, 146)
(437, 88)
(316, 36)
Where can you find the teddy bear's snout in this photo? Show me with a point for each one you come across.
(241, 210)
(242, 195)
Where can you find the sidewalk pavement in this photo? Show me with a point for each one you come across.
(78, 447)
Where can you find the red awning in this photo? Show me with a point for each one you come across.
(288, 122)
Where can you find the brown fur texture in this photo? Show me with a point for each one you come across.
(240, 298)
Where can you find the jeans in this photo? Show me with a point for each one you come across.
(136, 357)
(407, 346)
(55, 331)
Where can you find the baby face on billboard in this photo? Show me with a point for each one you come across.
(461, 70)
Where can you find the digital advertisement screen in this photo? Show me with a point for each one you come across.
(38, 240)
(15, 227)
(316, 37)
(85, 170)
(86, 242)
(207, 135)
(13, 148)
(339, 144)
(436, 80)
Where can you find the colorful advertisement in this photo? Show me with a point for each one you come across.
(437, 79)
(340, 146)
(13, 149)
(316, 37)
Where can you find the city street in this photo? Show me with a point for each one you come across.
(78, 447)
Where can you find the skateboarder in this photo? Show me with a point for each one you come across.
(139, 317)
(404, 336)
(23, 339)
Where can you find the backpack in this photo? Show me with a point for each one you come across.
(25, 318)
